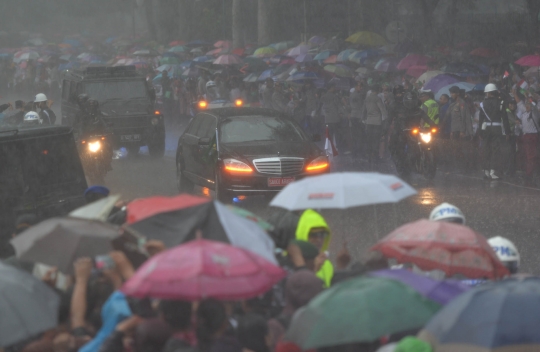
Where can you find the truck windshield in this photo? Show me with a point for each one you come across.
(120, 90)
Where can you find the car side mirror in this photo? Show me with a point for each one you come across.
(316, 138)
(204, 141)
(152, 93)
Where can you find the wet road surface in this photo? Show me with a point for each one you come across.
(491, 208)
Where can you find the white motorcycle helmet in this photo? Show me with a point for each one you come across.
(447, 212)
(507, 252)
(32, 118)
(490, 88)
(40, 98)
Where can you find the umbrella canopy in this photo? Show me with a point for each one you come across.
(254, 64)
(191, 72)
(179, 49)
(177, 43)
(25, 55)
(416, 71)
(460, 85)
(266, 74)
(344, 55)
(251, 78)
(223, 44)
(342, 190)
(452, 248)
(367, 39)
(204, 58)
(484, 52)
(304, 58)
(388, 64)
(250, 216)
(175, 220)
(529, 60)
(301, 76)
(331, 59)
(359, 310)
(29, 307)
(317, 40)
(76, 237)
(145, 52)
(281, 46)
(228, 60)
(98, 210)
(438, 291)
(298, 50)
(440, 81)
(169, 60)
(463, 69)
(339, 70)
(413, 60)
(323, 55)
(265, 52)
(361, 56)
(497, 316)
(427, 76)
(204, 269)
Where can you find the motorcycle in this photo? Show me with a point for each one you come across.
(96, 157)
(419, 153)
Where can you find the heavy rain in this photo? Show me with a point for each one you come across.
(269, 175)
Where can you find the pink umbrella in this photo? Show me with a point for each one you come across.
(529, 60)
(412, 60)
(222, 44)
(298, 50)
(202, 269)
(416, 70)
(228, 60)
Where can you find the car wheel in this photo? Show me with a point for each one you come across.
(157, 149)
(220, 194)
(184, 185)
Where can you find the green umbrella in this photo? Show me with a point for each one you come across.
(169, 60)
(359, 310)
(250, 216)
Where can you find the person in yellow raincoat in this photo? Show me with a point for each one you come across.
(313, 228)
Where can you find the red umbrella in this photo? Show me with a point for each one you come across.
(529, 60)
(417, 70)
(413, 60)
(484, 52)
(228, 60)
(141, 209)
(202, 269)
(331, 59)
(452, 248)
(239, 51)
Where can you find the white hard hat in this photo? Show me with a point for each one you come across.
(505, 249)
(447, 212)
(490, 88)
(31, 117)
(40, 97)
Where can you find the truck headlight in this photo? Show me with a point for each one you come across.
(94, 146)
(426, 137)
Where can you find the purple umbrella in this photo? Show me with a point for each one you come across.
(317, 40)
(439, 81)
(304, 58)
(388, 64)
(441, 292)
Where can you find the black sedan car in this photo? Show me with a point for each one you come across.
(245, 151)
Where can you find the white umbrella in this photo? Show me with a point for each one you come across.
(342, 190)
(98, 210)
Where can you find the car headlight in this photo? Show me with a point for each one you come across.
(236, 167)
(318, 165)
(154, 121)
(426, 137)
(94, 146)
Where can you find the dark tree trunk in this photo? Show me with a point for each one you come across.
(263, 19)
(237, 24)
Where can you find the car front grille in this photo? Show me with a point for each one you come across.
(279, 166)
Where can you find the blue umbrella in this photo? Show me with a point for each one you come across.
(301, 76)
(204, 58)
(494, 315)
(461, 85)
(323, 55)
(187, 64)
(479, 87)
(266, 74)
(344, 55)
(361, 56)
(439, 81)
(191, 72)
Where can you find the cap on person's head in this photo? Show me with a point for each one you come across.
(102, 190)
(301, 287)
(24, 222)
(19, 104)
(309, 251)
(454, 89)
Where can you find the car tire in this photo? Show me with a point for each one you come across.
(157, 150)
(220, 194)
(183, 184)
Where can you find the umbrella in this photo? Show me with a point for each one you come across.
(281, 46)
(252, 64)
(204, 58)
(427, 76)
(440, 81)
(75, 237)
(265, 52)
(416, 71)
(145, 52)
(29, 307)
(239, 51)
(484, 52)
(219, 51)
(250, 216)
(529, 60)
(222, 44)
(304, 58)
(317, 40)
(367, 39)
(461, 85)
(98, 210)
(413, 60)
(361, 56)
(301, 76)
(251, 78)
(331, 59)
(344, 55)
(298, 50)
(196, 51)
(388, 64)
(179, 49)
(497, 316)
(191, 72)
(204, 269)
(170, 60)
(23, 56)
(324, 55)
(359, 310)
(339, 70)
(177, 43)
(266, 74)
(175, 220)
(228, 60)
(342, 190)
(452, 248)
(463, 69)
(440, 291)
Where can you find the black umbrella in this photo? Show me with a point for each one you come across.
(27, 306)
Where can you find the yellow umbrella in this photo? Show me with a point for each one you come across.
(367, 38)
(265, 51)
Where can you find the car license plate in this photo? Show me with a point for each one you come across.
(279, 181)
(130, 137)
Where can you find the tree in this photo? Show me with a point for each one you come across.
(428, 8)
(263, 21)
(237, 24)
(534, 9)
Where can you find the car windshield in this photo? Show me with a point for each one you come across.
(241, 129)
(120, 90)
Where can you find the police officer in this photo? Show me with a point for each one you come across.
(46, 114)
(429, 106)
(494, 129)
